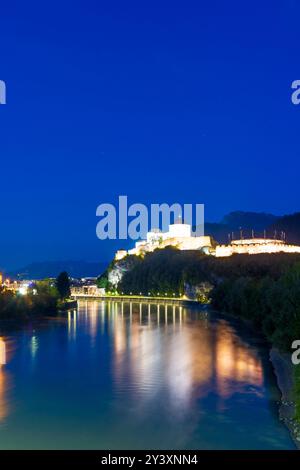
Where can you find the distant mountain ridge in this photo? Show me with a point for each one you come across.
(249, 220)
(290, 224)
(42, 270)
(236, 221)
(245, 222)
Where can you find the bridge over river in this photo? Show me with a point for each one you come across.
(137, 299)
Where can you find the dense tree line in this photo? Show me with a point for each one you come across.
(43, 299)
(272, 305)
(168, 270)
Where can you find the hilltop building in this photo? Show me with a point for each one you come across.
(180, 236)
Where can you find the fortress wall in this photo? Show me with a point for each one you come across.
(250, 247)
(228, 250)
(194, 243)
(223, 250)
(120, 254)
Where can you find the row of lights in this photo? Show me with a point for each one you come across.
(149, 293)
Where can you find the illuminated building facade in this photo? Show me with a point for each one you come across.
(180, 236)
(255, 246)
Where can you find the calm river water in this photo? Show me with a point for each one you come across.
(131, 376)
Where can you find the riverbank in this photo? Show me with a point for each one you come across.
(284, 372)
(67, 305)
(283, 369)
(11, 324)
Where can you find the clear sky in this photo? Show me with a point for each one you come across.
(161, 101)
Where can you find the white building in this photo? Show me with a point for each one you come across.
(254, 246)
(87, 291)
(179, 235)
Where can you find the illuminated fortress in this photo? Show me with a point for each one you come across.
(180, 236)
(254, 246)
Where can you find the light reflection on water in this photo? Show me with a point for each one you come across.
(6, 351)
(133, 375)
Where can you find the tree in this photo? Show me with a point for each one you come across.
(63, 285)
(102, 281)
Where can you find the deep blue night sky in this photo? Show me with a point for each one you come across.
(160, 101)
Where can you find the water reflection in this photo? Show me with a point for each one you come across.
(72, 324)
(136, 375)
(2, 352)
(157, 344)
(34, 344)
(235, 365)
(5, 379)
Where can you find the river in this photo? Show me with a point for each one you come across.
(117, 375)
